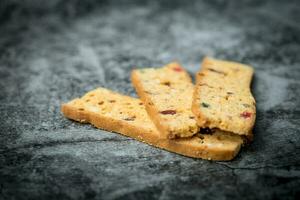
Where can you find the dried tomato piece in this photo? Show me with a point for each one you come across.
(177, 69)
(168, 112)
(246, 114)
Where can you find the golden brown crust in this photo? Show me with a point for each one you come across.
(114, 112)
(167, 94)
(222, 97)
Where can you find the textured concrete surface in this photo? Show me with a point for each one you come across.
(54, 51)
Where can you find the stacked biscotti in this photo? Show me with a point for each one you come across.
(222, 97)
(175, 115)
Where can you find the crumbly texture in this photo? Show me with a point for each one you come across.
(126, 115)
(222, 97)
(167, 93)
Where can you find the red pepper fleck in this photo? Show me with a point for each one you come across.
(177, 69)
(168, 112)
(246, 114)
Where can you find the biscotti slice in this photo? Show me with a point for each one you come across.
(167, 94)
(222, 97)
(126, 115)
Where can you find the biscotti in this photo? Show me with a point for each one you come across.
(222, 97)
(167, 94)
(126, 115)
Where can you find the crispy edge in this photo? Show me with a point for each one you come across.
(177, 145)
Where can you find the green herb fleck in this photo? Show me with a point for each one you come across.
(246, 105)
(205, 105)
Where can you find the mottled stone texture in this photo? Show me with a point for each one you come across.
(53, 51)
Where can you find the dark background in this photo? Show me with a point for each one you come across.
(53, 51)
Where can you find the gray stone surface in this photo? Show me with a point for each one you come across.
(53, 51)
